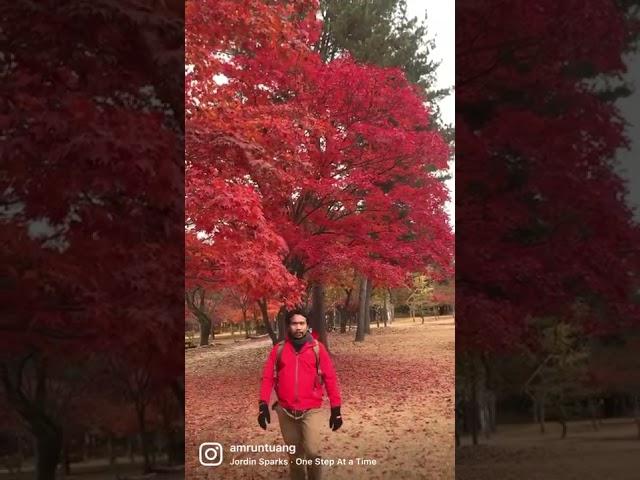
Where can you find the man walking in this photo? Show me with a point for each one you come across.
(297, 367)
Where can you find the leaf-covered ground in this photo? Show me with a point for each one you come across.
(397, 390)
(94, 469)
(520, 452)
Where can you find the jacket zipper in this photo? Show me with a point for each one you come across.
(296, 380)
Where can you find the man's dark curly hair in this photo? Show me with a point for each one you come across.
(295, 311)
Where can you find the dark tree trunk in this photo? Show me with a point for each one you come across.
(245, 323)
(66, 460)
(636, 412)
(458, 412)
(48, 450)
(131, 448)
(256, 325)
(593, 413)
(318, 313)
(111, 449)
(32, 408)
(177, 387)
(367, 309)
(362, 310)
(175, 434)
(344, 311)
(385, 309)
(205, 331)
(262, 303)
(474, 403)
(563, 421)
(144, 437)
(197, 307)
(282, 324)
(344, 318)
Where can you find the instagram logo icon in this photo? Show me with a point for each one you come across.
(210, 454)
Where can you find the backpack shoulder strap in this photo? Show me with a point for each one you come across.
(316, 350)
(280, 345)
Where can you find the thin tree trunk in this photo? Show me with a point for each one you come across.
(246, 323)
(344, 312)
(256, 325)
(385, 309)
(474, 403)
(318, 313)
(367, 309)
(344, 318)
(112, 450)
(177, 387)
(592, 411)
(66, 459)
(282, 324)
(392, 310)
(362, 310)
(636, 412)
(563, 421)
(262, 303)
(153, 450)
(144, 438)
(542, 414)
(494, 413)
(131, 448)
(457, 420)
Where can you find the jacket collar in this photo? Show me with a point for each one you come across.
(308, 340)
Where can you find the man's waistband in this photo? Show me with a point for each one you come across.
(292, 412)
(295, 413)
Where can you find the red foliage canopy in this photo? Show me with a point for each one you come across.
(91, 184)
(538, 199)
(297, 168)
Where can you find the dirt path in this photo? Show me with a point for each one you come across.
(397, 390)
(520, 452)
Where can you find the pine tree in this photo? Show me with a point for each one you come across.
(379, 32)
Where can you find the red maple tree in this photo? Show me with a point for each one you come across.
(325, 166)
(538, 199)
(90, 197)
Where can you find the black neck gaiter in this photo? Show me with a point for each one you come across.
(299, 342)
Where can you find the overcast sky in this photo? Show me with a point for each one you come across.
(629, 108)
(441, 27)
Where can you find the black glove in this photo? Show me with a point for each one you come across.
(264, 417)
(335, 422)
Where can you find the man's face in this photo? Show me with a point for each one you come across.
(298, 326)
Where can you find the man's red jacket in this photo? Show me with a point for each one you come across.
(297, 386)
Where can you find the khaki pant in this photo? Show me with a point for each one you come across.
(305, 435)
